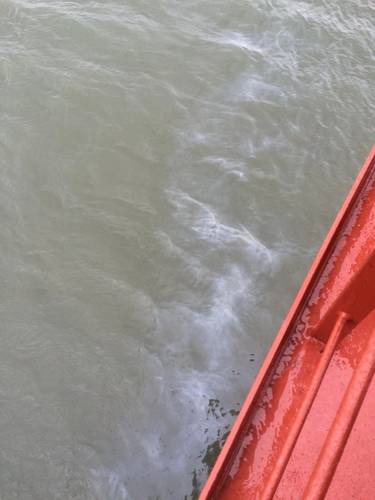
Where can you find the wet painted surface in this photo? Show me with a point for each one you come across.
(343, 282)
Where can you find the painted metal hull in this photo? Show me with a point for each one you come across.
(306, 429)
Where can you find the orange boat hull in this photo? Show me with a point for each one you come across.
(305, 430)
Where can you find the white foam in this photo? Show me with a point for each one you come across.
(206, 224)
(238, 40)
(109, 484)
(250, 88)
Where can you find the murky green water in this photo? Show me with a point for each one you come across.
(168, 171)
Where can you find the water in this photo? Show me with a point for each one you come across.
(168, 171)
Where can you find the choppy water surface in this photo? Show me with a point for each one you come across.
(168, 170)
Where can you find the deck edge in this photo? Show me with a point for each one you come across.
(224, 460)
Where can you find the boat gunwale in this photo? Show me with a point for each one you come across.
(240, 426)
